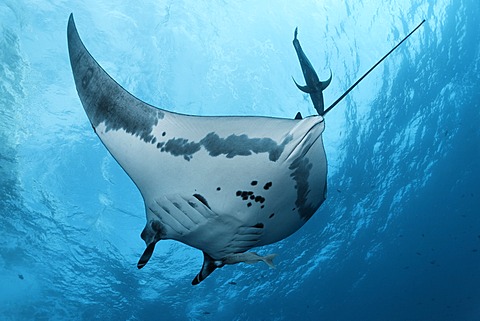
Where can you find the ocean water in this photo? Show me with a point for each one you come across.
(398, 237)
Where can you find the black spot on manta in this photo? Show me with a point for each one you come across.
(258, 225)
(267, 186)
(262, 206)
(218, 188)
(254, 183)
(239, 193)
(249, 204)
(252, 197)
(164, 133)
(271, 215)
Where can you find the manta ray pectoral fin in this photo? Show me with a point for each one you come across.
(209, 265)
(305, 89)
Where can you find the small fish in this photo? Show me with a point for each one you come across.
(249, 258)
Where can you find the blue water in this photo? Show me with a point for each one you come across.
(398, 237)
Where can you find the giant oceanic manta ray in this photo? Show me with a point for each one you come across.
(223, 185)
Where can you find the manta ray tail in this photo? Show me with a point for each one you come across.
(208, 267)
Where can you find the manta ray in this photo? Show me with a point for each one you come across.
(223, 185)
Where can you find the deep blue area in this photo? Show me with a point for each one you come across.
(398, 237)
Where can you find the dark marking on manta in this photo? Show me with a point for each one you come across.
(116, 109)
(300, 172)
(201, 199)
(254, 183)
(231, 146)
(218, 188)
(258, 225)
(242, 145)
(267, 186)
(131, 116)
(181, 147)
(271, 215)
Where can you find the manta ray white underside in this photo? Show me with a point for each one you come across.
(222, 185)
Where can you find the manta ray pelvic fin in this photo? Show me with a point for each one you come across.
(151, 234)
(209, 265)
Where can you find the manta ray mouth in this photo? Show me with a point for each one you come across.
(307, 141)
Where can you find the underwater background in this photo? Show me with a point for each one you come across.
(398, 237)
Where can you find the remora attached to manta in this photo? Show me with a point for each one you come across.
(222, 185)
